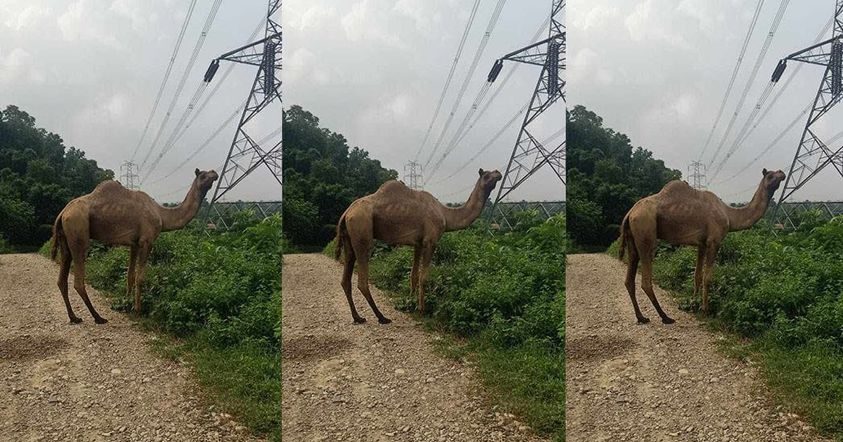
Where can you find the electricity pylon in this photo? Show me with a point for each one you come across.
(245, 154)
(529, 154)
(413, 175)
(696, 172)
(129, 175)
(812, 154)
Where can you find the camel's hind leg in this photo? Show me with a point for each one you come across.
(363, 286)
(708, 270)
(79, 250)
(131, 273)
(631, 272)
(698, 272)
(645, 239)
(144, 248)
(64, 273)
(424, 270)
(414, 274)
(348, 271)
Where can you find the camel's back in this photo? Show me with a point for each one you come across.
(116, 214)
(399, 214)
(684, 214)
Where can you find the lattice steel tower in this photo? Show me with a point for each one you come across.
(812, 154)
(696, 172)
(129, 175)
(529, 154)
(245, 154)
(413, 175)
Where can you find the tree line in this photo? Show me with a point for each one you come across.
(38, 176)
(606, 176)
(322, 176)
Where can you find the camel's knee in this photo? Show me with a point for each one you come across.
(79, 285)
(346, 285)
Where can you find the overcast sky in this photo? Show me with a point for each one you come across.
(89, 71)
(373, 71)
(657, 70)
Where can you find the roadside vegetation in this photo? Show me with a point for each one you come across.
(38, 176)
(781, 297)
(501, 297)
(217, 295)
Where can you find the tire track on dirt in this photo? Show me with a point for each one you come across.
(88, 382)
(656, 382)
(371, 382)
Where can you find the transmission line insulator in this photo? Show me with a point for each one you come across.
(836, 66)
(553, 67)
(777, 73)
(212, 70)
(496, 69)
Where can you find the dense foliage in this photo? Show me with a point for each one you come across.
(220, 294)
(786, 293)
(38, 176)
(506, 294)
(322, 176)
(606, 176)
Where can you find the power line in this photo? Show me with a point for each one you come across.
(462, 130)
(199, 43)
(477, 54)
(734, 76)
(450, 75)
(166, 76)
(766, 46)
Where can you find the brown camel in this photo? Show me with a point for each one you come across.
(399, 215)
(685, 216)
(114, 215)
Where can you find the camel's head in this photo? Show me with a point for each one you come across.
(489, 179)
(205, 179)
(772, 180)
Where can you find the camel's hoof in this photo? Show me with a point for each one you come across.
(75, 320)
(359, 320)
(384, 320)
(667, 320)
(643, 320)
(101, 320)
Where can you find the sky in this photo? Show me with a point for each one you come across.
(373, 70)
(89, 70)
(657, 70)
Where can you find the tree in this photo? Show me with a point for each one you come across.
(606, 176)
(322, 176)
(38, 176)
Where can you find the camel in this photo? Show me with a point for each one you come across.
(399, 215)
(685, 216)
(114, 215)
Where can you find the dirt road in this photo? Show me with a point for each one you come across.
(371, 382)
(88, 382)
(655, 382)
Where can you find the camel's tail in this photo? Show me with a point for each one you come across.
(59, 241)
(342, 237)
(626, 236)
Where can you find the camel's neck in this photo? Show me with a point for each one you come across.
(745, 217)
(458, 218)
(174, 218)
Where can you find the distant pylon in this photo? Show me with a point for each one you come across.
(413, 175)
(813, 153)
(696, 172)
(245, 154)
(129, 175)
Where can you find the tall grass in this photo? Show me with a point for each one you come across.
(219, 297)
(502, 297)
(784, 293)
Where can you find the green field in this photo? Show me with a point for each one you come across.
(781, 298)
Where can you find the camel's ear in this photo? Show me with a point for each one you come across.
(764, 172)
(480, 172)
(197, 171)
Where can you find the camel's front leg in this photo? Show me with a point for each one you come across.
(708, 270)
(132, 271)
(698, 272)
(424, 270)
(414, 274)
(144, 248)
